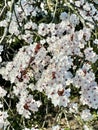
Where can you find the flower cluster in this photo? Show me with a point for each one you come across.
(3, 114)
(57, 57)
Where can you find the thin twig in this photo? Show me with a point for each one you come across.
(54, 13)
(8, 24)
(4, 9)
(67, 122)
(8, 106)
(17, 18)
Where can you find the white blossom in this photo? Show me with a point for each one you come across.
(2, 92)
(63, 16)
(86, 115)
